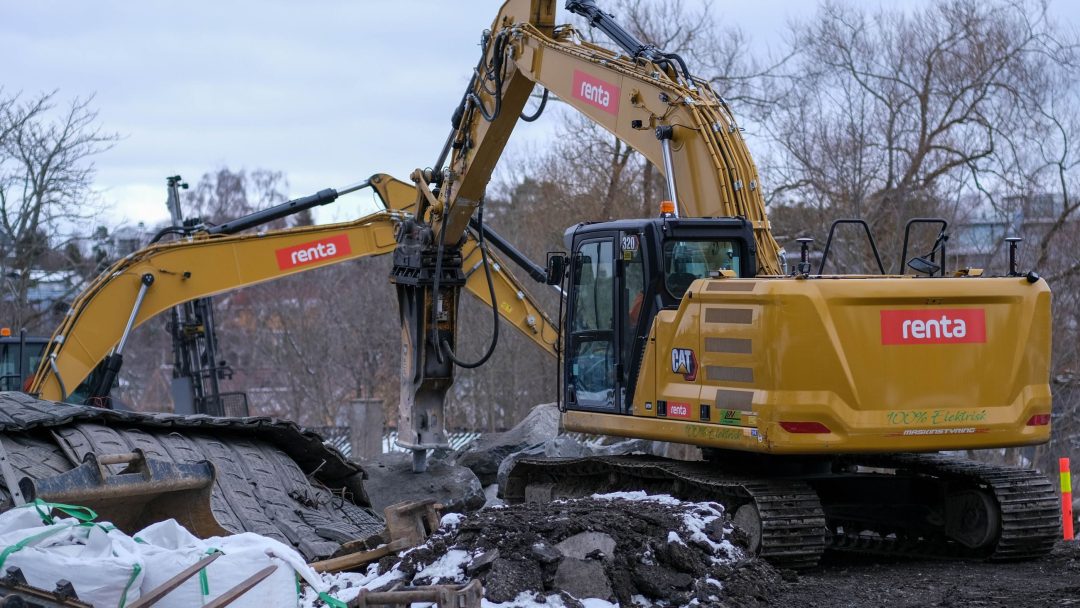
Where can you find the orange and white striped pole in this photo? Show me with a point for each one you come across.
(1066, 499)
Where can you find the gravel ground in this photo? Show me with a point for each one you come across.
(861, 582)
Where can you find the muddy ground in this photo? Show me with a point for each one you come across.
(861, 582)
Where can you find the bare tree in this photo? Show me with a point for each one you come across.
(224, 194)
(889, 115)
(219, 195)
(46, 179)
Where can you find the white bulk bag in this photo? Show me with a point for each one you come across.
(168, 548)
(102, 564)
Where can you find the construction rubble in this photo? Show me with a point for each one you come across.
(194, 510)
(625, 549)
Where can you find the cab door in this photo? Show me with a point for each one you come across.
(592, 353)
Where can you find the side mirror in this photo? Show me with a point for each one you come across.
(923, 265)
(556, 267)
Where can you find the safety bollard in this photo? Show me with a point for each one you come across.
(1066, 499)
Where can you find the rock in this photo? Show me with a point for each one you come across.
(508, 578)
(481, 562)
(583, 578)
(545, 554)
(585, 544)
(484, 455)
(659, 582)
(391, 480)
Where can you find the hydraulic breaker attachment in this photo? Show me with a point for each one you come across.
(443, 596)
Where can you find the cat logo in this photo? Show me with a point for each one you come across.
(683, 362)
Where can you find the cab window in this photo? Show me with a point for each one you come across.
(685, 261)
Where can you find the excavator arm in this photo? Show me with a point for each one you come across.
(159, 277)
(644, 96)
(641, 95)
(168, 274)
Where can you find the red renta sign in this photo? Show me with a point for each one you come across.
(678, 410)
(313, 252)
(596, 92)
(936, 326)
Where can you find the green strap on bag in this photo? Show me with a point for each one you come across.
(332, 601)
(83, 514)
(22, 544)
(134, 575)
(204, 584)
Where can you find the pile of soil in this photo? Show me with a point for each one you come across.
(625, 548)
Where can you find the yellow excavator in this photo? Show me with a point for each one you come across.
(820, 401)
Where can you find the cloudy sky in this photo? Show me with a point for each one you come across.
(328, 91)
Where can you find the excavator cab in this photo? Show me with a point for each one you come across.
(622, 273)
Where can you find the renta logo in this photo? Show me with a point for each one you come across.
(596, 92)
(678, 410)
(315, 251)
(937, 326)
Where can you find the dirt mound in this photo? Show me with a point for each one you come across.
(623, 548)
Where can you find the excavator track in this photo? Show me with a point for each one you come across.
(1027, 506)
(793, 531)
(797, 524)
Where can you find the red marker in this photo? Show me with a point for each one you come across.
(1066, 499)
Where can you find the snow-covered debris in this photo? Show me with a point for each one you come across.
(451, 520)
(663, 499)
(619, 555)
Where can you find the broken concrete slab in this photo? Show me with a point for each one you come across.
(484, 455)
(583, 578)
(391, 480)
(586, 544)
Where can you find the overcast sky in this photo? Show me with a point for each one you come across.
(327, 91)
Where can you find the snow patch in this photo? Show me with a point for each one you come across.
(451, 521)
(345, 586)
(526, 599)
(663, 499)
(696, 522)
(673, 537)
(448, 568)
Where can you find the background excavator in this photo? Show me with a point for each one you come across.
(817, 399)
(87, 349)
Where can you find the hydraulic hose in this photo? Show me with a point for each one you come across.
(167, 230)
(539, 110)
(444, 347)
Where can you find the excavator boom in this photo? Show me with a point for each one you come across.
(102, 315)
